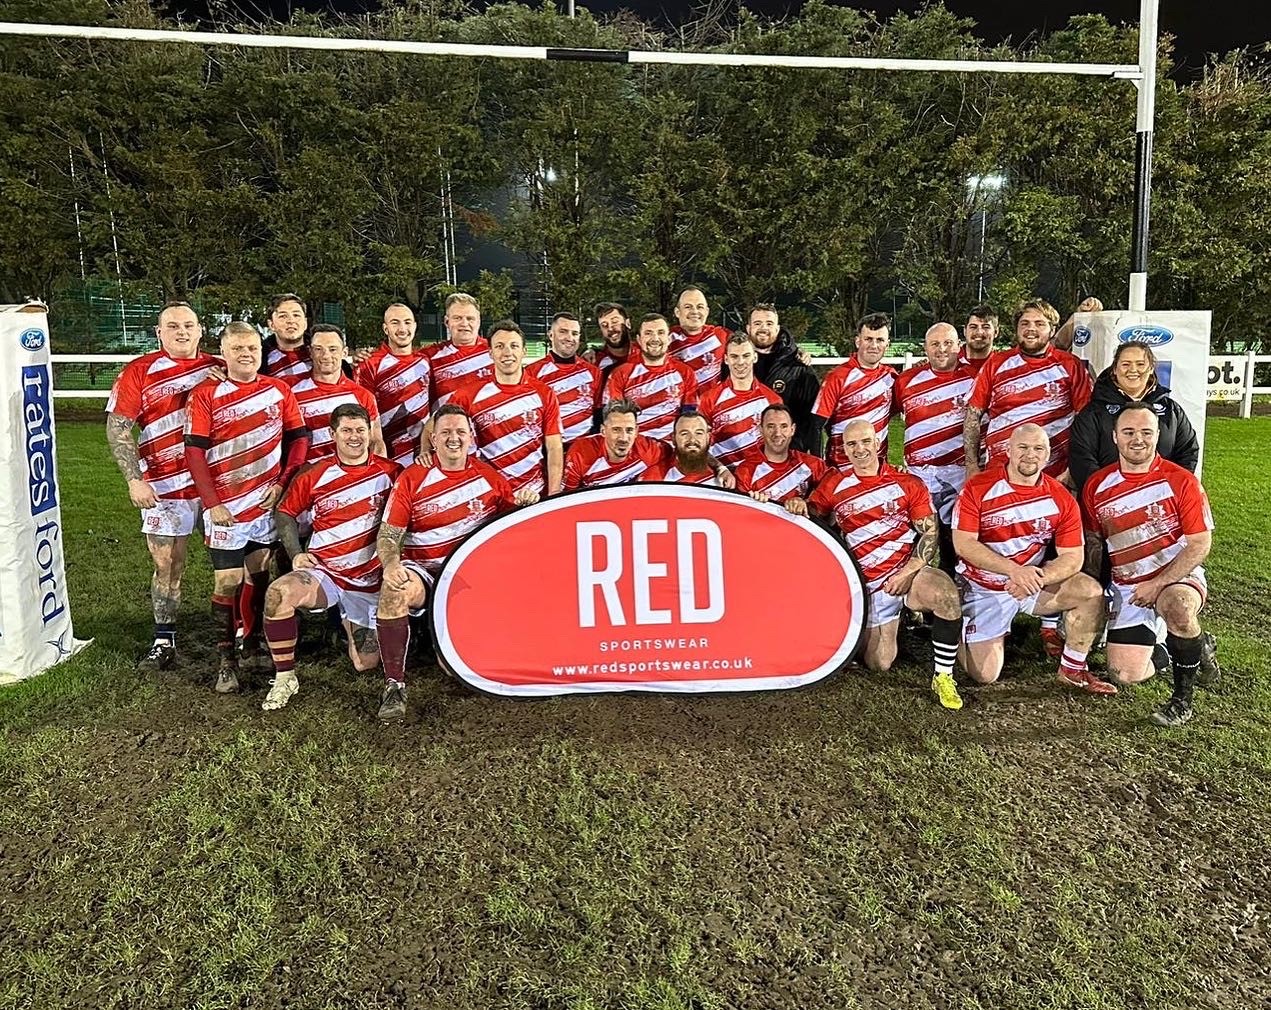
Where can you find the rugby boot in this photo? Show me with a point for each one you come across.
(285, 686)
(1210, 672)
(160, 657)
(946, 690)
(393, 701)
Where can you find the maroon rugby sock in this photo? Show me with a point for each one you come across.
(281, 636)
(394, 636)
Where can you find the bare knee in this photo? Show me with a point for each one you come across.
(393, 603)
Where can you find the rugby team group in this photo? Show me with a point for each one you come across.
(339, 481)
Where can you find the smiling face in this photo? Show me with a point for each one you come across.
(741, 358)
(1033, 332)
(463, 323)
(764, 328)
(777, 428)
(326, 350)
(692, 437)
(1027, 454)
(980, 334)
(565, 336)
(240, 347)
(1135, 435)
(860, 443)
(451, 438)
(399, 329)
(352, 437)
(619, 430)
(615, 329)
(179, 332)
(507, 348)
(692, 310)
(1133, 371)
(942, 346)
(653, 340)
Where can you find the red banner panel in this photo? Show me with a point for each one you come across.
(647, 587)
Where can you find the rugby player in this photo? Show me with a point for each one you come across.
(327, 387)
(614, 324)
(1003, 521)
(516, 419)
(399, 377)
(464, 356)
(151, 393)
(980, 331)
(430, 509)
(861, 387)
(285, 355)
(889, 525)
(696, 342)
(732, 405)
(576, 383)
(618, 455)
(692, 464)
(779, 473)
(658, 385)
(1154, 517)
(345, 493)
(244, 440)
(783, 368)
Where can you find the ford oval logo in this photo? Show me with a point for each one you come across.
(1146, 333)
(651, 587)
(1081, 336)
(32, 339)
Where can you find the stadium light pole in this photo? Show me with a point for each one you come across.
(1144, 123)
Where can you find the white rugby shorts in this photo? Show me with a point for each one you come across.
(987, 613)
(170, 517)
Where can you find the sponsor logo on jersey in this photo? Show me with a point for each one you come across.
(1146, 333)
(645, 587)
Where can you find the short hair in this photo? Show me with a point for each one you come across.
(763, 416)
(1138, 345)
(1038, 305)
(507, 326)
(1138, 405)
(397, 305)
(353, 410)
(763, 307)
(450, 410)
(239, 328)
(687, 288)
(740, 337)
(689, 414)
(619, 407)
(564, 315)
(652, 317)
(174, 303)
(604, 308)
(277, 301)
(326, 328)
(460, 298)
(874, 321)
(983, 311)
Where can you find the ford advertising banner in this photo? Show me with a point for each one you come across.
(35, 615)
(647, 587)
(1180, 341)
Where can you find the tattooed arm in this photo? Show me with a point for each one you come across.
(289, 537)
(1094, 555)
(971, 440)
(388, 545)
(926, 552)
(124, 449)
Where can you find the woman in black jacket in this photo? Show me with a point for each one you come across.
(1131, 378)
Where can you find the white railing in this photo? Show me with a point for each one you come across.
(1231, 376)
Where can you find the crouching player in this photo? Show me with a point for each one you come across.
(431, 509)
(1003, 521)
(346, 495)
(882, 512)
(1155, 519)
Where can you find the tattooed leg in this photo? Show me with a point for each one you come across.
(364, 647)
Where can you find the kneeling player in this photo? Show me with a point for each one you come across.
(1002, 523)
(432, 507)
(346, 495)
(881, 513)
(1155, 519)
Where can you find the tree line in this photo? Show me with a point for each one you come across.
(228, 173)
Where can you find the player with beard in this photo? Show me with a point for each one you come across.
(464, 356)
(614, 324)
(618, 455)
(859, 388)
(345, 493)
(576, 383)
(399, 377)
(890, 528)
(980, 331)
(733, 405)
(779, 473)
(696, 342)
(327, 387)
(692, 464)
(1004, 520)
(783, 368)
(657, 384)
(151, 393)
(1154, 517)
(431, 509)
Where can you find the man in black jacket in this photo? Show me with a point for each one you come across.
(781, 368)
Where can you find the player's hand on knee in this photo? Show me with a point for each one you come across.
(396, 577)
(1145, 593)
(221, 516)
(141, 494)
(303, 560)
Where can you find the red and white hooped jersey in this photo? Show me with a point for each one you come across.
(876, 516)
(243, 424)
(317, 400)
(659, 391)
(973, 365)
(438, 508)
(401, 386)
(670, 471)
(511, 423)
(152, 390)
(454, 367)
(577, 386)
(1017, 521)
(587, 465)
(794, 478)
(607, 359)
(347, 502)
(934, 406)
(852, 392)
(702, 351)
(290, 366)
(734, 418)
(1145, 518)
(1046, 389)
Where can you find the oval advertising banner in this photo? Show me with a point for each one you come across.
(647, 587)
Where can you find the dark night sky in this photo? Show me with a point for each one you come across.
(1199, 26)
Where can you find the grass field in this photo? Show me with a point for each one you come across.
(851, 845)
